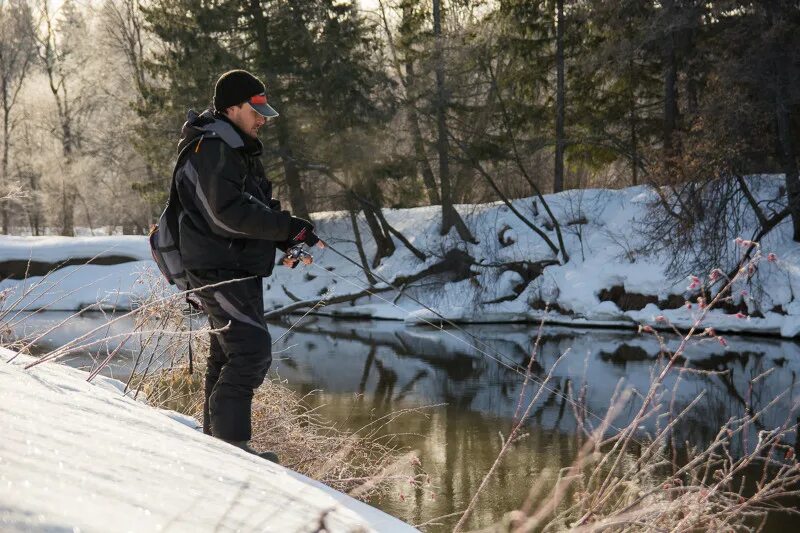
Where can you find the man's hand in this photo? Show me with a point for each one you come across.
(290, 261)
(301, 230)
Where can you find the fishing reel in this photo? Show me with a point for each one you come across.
(296, 254)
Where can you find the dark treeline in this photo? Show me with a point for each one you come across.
(405, 102)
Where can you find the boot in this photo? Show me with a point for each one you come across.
(245, 445)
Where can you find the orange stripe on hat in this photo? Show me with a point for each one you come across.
(259, 99)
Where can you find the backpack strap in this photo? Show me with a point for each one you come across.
(182, 155)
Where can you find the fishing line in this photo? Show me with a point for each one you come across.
(542, 384)
(289, 330)
(514, 368)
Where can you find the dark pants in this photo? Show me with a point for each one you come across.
(240, 355)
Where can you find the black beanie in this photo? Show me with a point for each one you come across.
(235, 87)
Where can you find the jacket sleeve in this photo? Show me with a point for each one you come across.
(215, 177)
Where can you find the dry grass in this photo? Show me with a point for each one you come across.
(305, 441)
(363, 462)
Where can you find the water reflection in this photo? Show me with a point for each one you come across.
(424, 366)
(397, 367)
(365, 369)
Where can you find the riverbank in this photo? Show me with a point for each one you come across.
(80, 456)
(510, 275)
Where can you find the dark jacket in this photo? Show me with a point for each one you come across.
(226, 222)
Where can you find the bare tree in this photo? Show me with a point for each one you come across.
(123, 26)
(450, 216)
(28, 175)
(17, 53)
(58, 46)
(405, 71)
(124, 32)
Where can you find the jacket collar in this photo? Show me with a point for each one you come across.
(217, 125)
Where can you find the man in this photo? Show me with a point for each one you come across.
(229, 230)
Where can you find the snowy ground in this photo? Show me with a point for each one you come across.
(602, 251)
(78, 456)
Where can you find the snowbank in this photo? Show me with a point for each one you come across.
(55, 249)
(78, 456)
(599, 234)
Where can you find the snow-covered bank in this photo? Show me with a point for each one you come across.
(55, 249)
(78, 456)
(606, 282)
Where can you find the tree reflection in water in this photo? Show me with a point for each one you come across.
(398, 367)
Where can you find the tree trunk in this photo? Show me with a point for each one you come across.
(291, 171)
(633, 123)
(68, 190)
(4, 181)
(670, 84)
(383, 239)
(33, 207)
(359, 243)
(419, 144)
(67, 209)
(670, 101)
(383, 244)
(297, 196)
(390, 230)
(33, 218)
(4, 169)
(558, 178)
(88, 212)
(450, 216)
(787, 148)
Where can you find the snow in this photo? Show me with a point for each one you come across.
(54, 249)
(80, 456)
(603, 254)
(79, 287)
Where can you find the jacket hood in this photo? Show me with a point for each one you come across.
(209, 125)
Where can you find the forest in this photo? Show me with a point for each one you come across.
(402, 103)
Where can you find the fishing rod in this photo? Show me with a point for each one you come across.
(296, 254)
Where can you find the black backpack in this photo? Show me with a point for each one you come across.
(165, 236)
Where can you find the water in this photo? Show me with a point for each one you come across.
(462, 401)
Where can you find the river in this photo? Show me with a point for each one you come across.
(463, 394)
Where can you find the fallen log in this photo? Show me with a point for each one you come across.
(455, 262)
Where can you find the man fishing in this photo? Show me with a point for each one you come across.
(229, 230)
